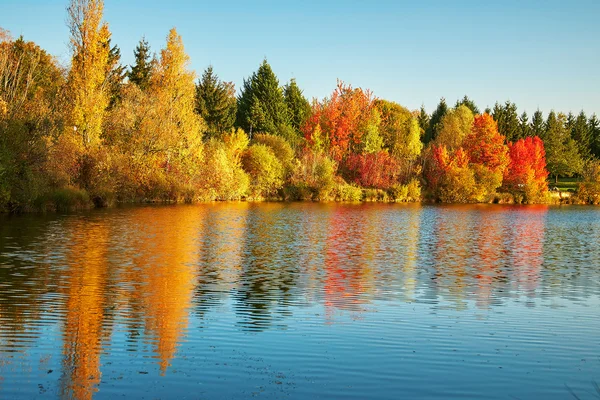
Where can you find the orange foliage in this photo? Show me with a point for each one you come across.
(527, 167)
(341, 120)
(375, 170)
(485, 145)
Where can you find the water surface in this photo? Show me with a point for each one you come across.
(301, 301)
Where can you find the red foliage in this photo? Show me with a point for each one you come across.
(485, 145)
(341, 118)
(527, 164)
(443, 162)
(375, 170)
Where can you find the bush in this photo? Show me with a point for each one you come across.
(64, 199)
(265, 170)
(315, 173)
(345, 192)
(221, 176)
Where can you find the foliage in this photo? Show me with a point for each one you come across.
(280, 148)
(373, 170)
(434, 122)
(526, 173)
(589, 190)
(261, 105)
(562, 155)
(298, 107)
(265, 169)
(216, 103)
(454, 127)
(313, 176)
(141, 71)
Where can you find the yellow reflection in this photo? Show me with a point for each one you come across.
(86, 299)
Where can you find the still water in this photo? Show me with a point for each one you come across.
(275, 301)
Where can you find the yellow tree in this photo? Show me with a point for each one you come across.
(179, 128)
(89, 43)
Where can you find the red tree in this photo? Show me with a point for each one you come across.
(375, 170)
(527, 167)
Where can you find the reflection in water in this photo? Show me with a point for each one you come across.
(86, 299)
(114, 283)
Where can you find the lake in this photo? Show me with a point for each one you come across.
(301, 300)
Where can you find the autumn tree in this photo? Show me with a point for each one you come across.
(454, 127)
(340, 121)
(141, 70)
(87, 79)
(526, 175)
(467, 102)
(216, 103)
(261, 104)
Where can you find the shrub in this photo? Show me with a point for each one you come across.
(265, 170)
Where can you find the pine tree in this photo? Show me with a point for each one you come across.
(508, 121)
(115, 75)
(537, 127)
(436, 118)
(216, 103)
(524, 127)
(141, 71)
(594, 129)
(582, 135)
(298, 106)
(423, 120)
(261, 105)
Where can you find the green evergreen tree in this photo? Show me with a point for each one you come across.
(524, 127)
(434, 123)
(562, 155)
(142, 69)
(580, 132)
(537, 126)
(508, 121)
(115, 75)
(298, 106)
(423, 120)
(261, 104)
(216, 103)
(466, 101)
(594, 129)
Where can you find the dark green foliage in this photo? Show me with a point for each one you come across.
(508, 122)
(216, 103)
(594, 129)
(142, 69)
(298, 106)
(581, 133)
(466, 101)
(524, 128)
(537, 126)
(115, 75)
(436, 118)
(261, 105)
(423, 120)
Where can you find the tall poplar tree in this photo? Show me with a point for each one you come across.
(90, 46)
(216, 103)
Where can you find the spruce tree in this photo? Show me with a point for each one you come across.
(524, 127)
(436, 118)
(261, 104)
(216, 103)
(580, 132)
(115, 75)
(298, 106)
(423, 120)
(537, 124)
(508, 121)
(142, 69)
(594, 129)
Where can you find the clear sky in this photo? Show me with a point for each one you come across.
(539, 54)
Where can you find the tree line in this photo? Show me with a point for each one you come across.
(97, 132)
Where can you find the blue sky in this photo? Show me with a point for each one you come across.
(539, 54)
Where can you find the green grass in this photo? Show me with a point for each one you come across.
(564, 184)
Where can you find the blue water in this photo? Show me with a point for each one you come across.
(301, 300)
